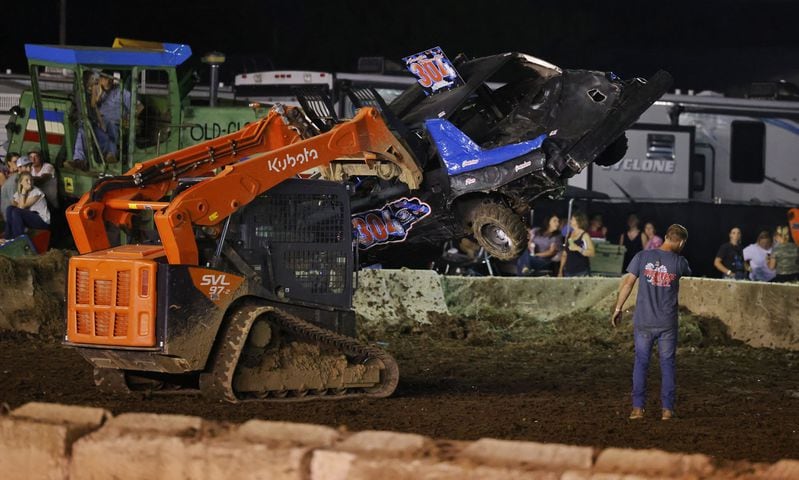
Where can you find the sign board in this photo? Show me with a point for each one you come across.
(433, 70)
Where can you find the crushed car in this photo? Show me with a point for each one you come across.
(491, 135)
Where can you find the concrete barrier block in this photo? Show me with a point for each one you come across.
(330, 465)
(784, 469)
(175, 425)
(36, 438)
(652, 462)
(259, 431)
(391, 443)
(132, 456)
(540, 299)
(584, 475)
(137, 446)
(29, 449)
(247, 462)
(152, 447)
(391, 298)
(760, 314)
(549, 455)
(76, 416)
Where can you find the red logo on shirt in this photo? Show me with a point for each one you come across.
(658, 275)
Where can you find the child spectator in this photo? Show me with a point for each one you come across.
(652, 240)
(730, 257)
(756, 256)
(784, 257)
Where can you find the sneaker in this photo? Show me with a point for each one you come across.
(667, 414)
(637, 414)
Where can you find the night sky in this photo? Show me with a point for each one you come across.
(704, 44)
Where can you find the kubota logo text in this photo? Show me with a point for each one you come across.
(291, 161)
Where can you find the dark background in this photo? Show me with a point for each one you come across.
(704, 44)
(720, 45)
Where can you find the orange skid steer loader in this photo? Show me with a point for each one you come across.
(246, 294)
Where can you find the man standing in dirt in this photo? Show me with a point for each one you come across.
(655, 317)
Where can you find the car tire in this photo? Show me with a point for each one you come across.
(499, 231)
(614, 153)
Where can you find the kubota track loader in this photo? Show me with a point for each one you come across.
(246, 294)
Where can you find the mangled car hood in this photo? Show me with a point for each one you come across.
(514, 97)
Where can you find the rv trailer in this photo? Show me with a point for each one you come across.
(707, 148)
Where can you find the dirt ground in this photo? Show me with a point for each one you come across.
(564, 381)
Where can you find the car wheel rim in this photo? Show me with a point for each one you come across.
(496, 236)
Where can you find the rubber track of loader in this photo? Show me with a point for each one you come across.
(218, 382)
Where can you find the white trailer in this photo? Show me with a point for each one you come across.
(707, 147)
(282, 86)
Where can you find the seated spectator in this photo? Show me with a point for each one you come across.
(574, 262)
(756, 257)
(597, 228)
(108, 104)
(8, 166)
(466, 258)
(784, 257)
(543, 248)
(730, 257)
(652, 240)
(44, 176)
(29, 209)
(9, 188)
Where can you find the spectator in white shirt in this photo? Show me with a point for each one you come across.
(756, 257)
(44, 176)
(29, 209)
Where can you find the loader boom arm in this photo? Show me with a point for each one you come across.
(242, 165)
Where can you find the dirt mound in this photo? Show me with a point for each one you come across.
(32, 293)
(587, 329)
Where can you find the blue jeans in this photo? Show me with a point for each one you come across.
(107, 139)
(667, 348)
(532, 262)
(17, 219)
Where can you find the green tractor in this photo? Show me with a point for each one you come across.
(154, 113)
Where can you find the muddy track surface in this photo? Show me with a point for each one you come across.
(564, 382)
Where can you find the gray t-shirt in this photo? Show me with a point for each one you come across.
(659, 272)
(7, 193)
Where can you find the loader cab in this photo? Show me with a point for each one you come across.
(98, 111)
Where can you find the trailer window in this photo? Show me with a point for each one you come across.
(698, 162)
(660, 146)
(747, 152)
